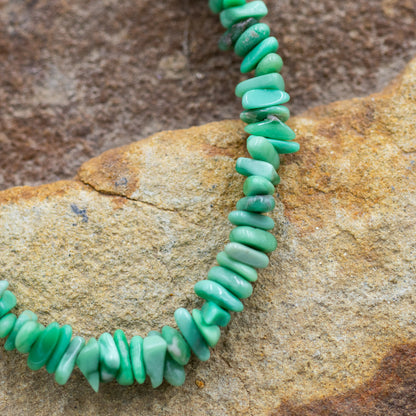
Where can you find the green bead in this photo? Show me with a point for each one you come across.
(213, 291)
(212, 314)
(125, 373)
(137, 361)
(256, 9)
(88, 361)
(27, 336)
(154, 355)
(251, 167)
(210, 333)
(258, 53)
(264, 82)
(247, 255)
(4, 284)
(225, 260)
(109, 358)
(215, 6)
(284, 146)
(257, 185)
(43, 347)
(261, 98)
(269, 64)
(251, 218)
(256, 203)
(250, 38)
(174, 373)
(191, 333)
(65, 335)
(226, 4)
(24, 317)
(238, 286)
(178, 349)
(7, 302)
(252, 116)
(230, 37)
(253, 237)
(260, 149)
(273, 129)
(67, 363)
(7, 324)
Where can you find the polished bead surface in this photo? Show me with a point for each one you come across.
(88, 362)
(178, 348)
(265, 47)
(273, 129)
(250, 38)
(256, 203)
(67, 362)
(251, 218)
(125, 372)
(7, 324)
(4, 284)
(174, 373)
(260, 98)
(264, 82)
(154, 355)
(27, 336)
(65, 335)
(257, 185)
(260, 114)
(248, 272)
(232, 3)
(109, 357)
(255, 9)
(210, 333)
(24, 317)
(137, 361)
(272, 62)
(43, 347)
(7, 302)
(247, 255)
(212, 314)
(260, 149)
(253, 237)
(230, 37)
(232, 281)
(283, 146)
(249, 167)
(215, 5)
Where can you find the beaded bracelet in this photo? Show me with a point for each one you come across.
(162, 355)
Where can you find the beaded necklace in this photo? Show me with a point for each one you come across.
(162, 355)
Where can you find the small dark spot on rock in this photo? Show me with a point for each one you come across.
(81, 212)
(123, 181)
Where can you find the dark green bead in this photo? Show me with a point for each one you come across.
(24, 317)
(137, 360)
(7, 302)
(65, 335)
(271, 128)
(269, 64)
(260, 149)
(261, 98)
(43, 347)
(256, 9)
(27, 336)
(67, 363)
(232, 281)
(264, 82)
(125, 373)
(257, 185)
(230, 37)
(7, 324)
(248, 272)
(178, 348)
(210, 333)
(251, 218)
(226, 4)
(254, 237)
(212, 314)
(251, 167)
(109, 358)
(250, 38)
(154, 356)
(88, 361)
(284, 147)
(257, 203)
(247, 255)
(174, 373)
(251, 60)
(215, 6)
(260, 114)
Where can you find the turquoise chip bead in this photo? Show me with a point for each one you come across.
(273, 129)
(250, 38)
(154, 355)
(43, 347)
(125, 373)
(109, 357)
(230, 37)
(248, 272)
(251, 218)
(67, 362)
(210, 333)
(255, 9)
(256, 203)
(251, 60)
(7, 324)
(212, 314)
(7, 302)
(257, 185)
(269, 64)
(178, 348)
(27, 336)
(215, 6)
(213, 291)
(260, 149)
(247, 255)
(137, 360)
(88, 361)
(237, 285)
(232, 3)
(284, 147)
(174, 373)
(191, 333)
(253, 237)
(261, 98)
(4, 284)
(264, 82)
(24, 317)
(249, 167)
(253, 116)
(65, 335)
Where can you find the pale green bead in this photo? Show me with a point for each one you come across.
(284, 147)
(4, 284)
(7, 302)
(211, 333)
(232, 281)
(125, 372)
(43, 347)
(27, 336)
(137, 361)
(273, 129)
(253, 237)
(265, 47)
(178, 348)
(21, 320)
(260, 149)
(250, 218)
(261, 98)
(247, 255)
(154, 355)
(264, 82)
(248, 272)
(250, 38)
(260, 114)
(215, 6)
(212, 314)
(109, 357)
(256, 203)
(257, 185)
(88, 361)
(67, 363)
(174, 373)
(255, 9)
(269, 64)
(65, 335)
(249, 167)
(7, 324)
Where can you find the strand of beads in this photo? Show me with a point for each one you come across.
(162, 355)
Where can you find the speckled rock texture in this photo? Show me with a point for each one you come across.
(80, 77)
(330, 328)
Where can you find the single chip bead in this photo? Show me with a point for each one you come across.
(247, 255)
(251, 218)
(65, 335)
(4, 284)
(260, 149)
(260, 114)
(213, 291)
(88, 361)
(248, 272)
(109, 357)
(43, 347)
(264, 82)
(154, 355)
(237, 285)
(210, 333)
(250, 38)
(212, 314)
(273, 129)
(257, 203)
(24, 317)
(253, 237)
(226, 4)
(230, 37)
(284, 147)
(190, 332)
(125, 373)
(27, 336)
(256, 9)
(174, 373)
(7, 324)
(251, 60)
(272, 62)
(178, 348)
(67, 363)
(215, 6)
(7, 302)
(251, 167)
(257, 185)
(137, 360)
(260, 98)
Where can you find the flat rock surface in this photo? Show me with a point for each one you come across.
(80, 77)
(331, 324)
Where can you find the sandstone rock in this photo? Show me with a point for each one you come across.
(122, 244)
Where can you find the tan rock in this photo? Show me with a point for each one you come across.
(122, 245)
